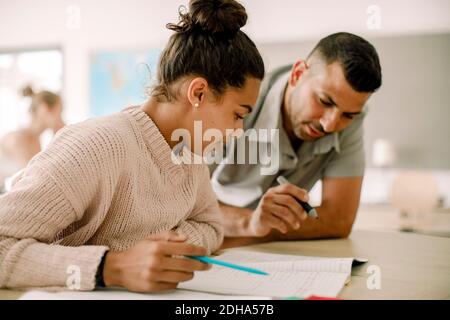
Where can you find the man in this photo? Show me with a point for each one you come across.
(318, 106)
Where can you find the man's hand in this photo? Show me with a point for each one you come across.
(278, 209)
(151, 264)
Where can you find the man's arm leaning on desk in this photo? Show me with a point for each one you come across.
(340, 201)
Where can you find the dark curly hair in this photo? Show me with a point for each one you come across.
(208, 42)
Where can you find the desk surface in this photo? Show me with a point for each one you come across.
(412, 266)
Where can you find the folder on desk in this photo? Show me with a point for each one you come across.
(289, 275)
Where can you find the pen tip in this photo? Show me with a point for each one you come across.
(313, 214)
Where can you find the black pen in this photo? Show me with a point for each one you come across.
(305, 205)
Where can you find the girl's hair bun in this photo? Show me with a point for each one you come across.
(218, 16)
(225, 17)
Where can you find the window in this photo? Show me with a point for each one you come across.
(42, 69)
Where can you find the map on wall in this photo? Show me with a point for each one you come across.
(120, 79)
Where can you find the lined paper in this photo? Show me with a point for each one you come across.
(288, 276)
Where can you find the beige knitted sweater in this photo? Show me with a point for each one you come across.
(102, 184)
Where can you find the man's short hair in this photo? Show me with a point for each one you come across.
(357, 56)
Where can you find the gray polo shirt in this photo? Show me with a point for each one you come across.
(334, 155)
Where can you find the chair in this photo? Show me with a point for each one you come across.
(415, 194)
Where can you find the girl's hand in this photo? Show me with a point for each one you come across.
(151, 265)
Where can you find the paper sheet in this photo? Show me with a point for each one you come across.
(288, 276)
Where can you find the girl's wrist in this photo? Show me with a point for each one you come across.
(111, 273)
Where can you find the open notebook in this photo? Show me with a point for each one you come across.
(289, 275)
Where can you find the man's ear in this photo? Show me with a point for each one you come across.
(297, 71)
(196, 91)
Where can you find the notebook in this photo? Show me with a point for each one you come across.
(289, 276)
(296, 276)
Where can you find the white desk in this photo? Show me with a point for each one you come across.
(412, 266)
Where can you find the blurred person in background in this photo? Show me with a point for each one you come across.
(18, 147)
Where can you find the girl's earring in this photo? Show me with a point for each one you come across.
(196, 105)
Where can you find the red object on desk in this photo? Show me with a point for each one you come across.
(321, 298)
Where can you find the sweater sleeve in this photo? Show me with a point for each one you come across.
(51, 193)
(203, 226)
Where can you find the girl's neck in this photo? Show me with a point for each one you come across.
(167, 117)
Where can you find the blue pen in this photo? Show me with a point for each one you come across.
(227, 264)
